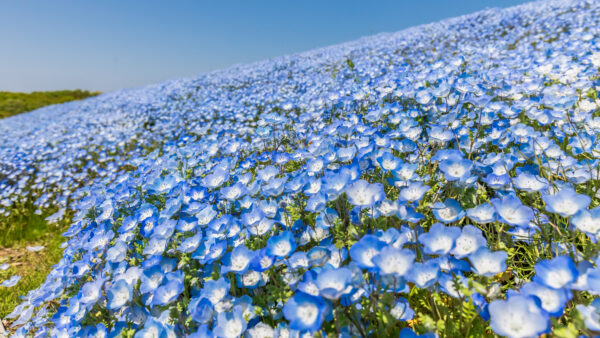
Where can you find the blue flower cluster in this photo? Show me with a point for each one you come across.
(439, 180)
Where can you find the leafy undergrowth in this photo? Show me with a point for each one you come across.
(33, 267)
(22, 228)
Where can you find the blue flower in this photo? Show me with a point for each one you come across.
(168, 292)
(424, 274)
(215, 290)
(364, 194)
(566, 202)
(448, 211)
(528, 182)
(151, 279)
(413, 192)
(200, 309)
(119, 294)
(12, 281)
(394, 261)
(230, 325)
(487, 263)
(91, 292)
(518, 316)
(282, 245)
(511, 211)
(305, 312)
(363, 251)
(552, 300)
(237, 260)
(557, 272)
(439, 240)
(333, 283)
(588, 221)
(456, 168)
(482, 214)
(469, 241)
(590, 314)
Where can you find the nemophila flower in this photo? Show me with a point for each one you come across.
(388, 162)
(318, 255)
(528, 182)
(424, 274)
(240, 257)
(156, 246)
(401, 310)
(305, 312)
(215, 179)
(205, 215)
(117, 253)
(35, 248)
(230, 324)
(363, 251)
(263, 260)
(587, 221)
(447, 211)
(556, 273)
(518, 316)
(566, 202)
(470, 239)
(313, 186)
(233, 192)
(91, 292)
(151, 279)
(407, 332)
(453, 285)
(364, 194)
(346, 154)
(394, 261)
(119, 294)
(4, 266)
(414, 192)
(405, 172)
(487, 263)
(482, 214)
(200, 309)
(456, 168)
(326, 218)
(333, 283)
(167, 292)
(282, 245)
(151, 328)
(497, 181)
(553, 300)
(511, 211)
(215, 290)
(12, 281)
(439, 240)
(250, 279)
(590, 314)
(316, 203)
(162, 185)
(334, 183)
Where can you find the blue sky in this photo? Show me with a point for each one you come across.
(112, 44)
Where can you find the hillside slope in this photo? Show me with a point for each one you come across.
(443, 179)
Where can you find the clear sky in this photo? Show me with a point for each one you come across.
(111, 44)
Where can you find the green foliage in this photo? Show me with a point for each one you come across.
(17, 103)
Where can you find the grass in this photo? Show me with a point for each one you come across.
(20, 229)
(33, 267)
(17, 103)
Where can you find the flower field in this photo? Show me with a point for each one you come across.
(441, 181)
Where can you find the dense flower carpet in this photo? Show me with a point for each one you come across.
(438, 181)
